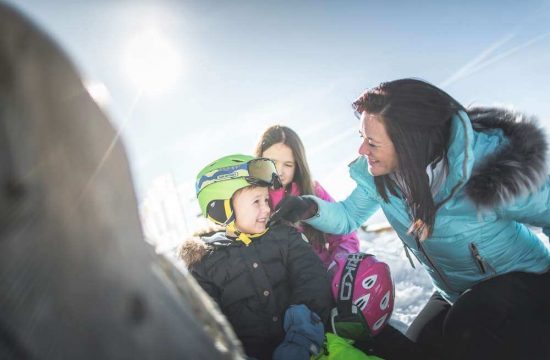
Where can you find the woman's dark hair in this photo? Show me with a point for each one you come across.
(417, 117)
(278, 134)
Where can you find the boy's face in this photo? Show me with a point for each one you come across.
(251, 206)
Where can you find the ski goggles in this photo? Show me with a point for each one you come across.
(260, 171)
(350, 325)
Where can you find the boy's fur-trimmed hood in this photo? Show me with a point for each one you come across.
(193, 250)
(518, 168)
(201, 243)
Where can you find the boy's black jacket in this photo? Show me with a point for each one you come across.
(255, 284)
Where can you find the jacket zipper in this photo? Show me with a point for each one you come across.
(482, 264)
(408, 254)
(478, 259)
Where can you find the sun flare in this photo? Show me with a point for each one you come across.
(151, 61)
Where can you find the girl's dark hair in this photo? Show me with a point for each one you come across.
(417, 117)
(278, 134)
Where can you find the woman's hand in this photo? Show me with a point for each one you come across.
(294, 208)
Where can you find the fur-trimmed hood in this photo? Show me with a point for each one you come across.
(196, 247)
(516, 169)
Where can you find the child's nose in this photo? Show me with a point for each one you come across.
(265, 208)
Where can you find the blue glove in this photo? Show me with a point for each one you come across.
(305, 334)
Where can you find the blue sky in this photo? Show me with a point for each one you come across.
(244, 65)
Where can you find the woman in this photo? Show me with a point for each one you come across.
(282, 145)
(459, 186)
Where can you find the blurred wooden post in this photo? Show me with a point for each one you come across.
(77, 281)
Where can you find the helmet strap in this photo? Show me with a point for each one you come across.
(231, 230)
(347, 282)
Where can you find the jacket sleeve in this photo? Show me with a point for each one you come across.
(309, 281)
(533, 209)
(345, 216)
(337, 244)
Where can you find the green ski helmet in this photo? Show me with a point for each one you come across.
(219, 180)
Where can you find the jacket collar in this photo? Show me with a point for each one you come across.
(460, 155)
(276, 195)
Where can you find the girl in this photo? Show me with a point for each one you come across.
(282, 145)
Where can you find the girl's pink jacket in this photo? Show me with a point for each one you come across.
(336, 244)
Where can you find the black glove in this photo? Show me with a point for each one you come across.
(294, 208)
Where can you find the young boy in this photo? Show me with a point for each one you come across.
(267, 280)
